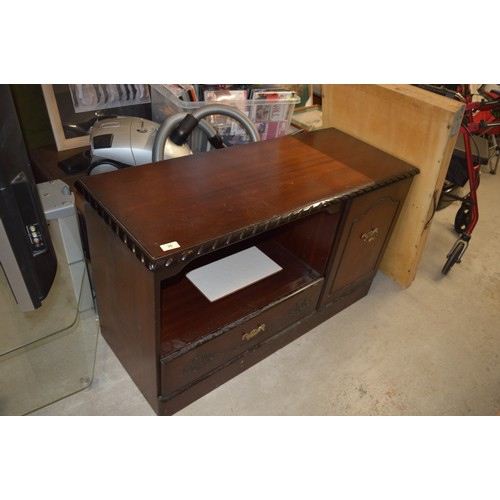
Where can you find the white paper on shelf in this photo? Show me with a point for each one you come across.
(232, 273)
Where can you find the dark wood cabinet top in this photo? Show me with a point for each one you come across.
(198, 203)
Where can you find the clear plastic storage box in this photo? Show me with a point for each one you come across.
(271, 117)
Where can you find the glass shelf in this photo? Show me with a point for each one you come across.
(49, 353)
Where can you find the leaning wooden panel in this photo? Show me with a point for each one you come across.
(414, 125)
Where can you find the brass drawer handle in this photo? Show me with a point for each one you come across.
(370, 236)
(250, 335)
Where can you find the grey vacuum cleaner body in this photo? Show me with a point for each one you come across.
(125, 141)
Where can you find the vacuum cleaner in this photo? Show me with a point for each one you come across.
(123, 141)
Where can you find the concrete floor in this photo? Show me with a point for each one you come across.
(430, 349)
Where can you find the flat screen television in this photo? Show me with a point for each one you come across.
(26, 252)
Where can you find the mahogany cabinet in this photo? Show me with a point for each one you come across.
(321, 205)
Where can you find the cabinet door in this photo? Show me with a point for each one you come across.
(362, 239)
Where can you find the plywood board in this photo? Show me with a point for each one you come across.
(414, 125)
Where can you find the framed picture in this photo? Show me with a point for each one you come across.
(73, 108)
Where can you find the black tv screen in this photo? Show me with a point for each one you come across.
(26, 252)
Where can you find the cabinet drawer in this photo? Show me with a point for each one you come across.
(198, 359)
(367, 228)
(366, 237)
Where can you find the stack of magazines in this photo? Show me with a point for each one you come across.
(231, 92)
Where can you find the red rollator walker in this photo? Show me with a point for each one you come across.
(481, 119)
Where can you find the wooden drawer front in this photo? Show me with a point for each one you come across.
(367, 229)
(182, 368)
(367, 236)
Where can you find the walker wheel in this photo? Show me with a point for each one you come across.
(454, 256)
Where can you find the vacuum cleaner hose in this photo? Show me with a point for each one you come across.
(167, 127)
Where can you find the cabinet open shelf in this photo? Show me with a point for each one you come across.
(188, 316)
